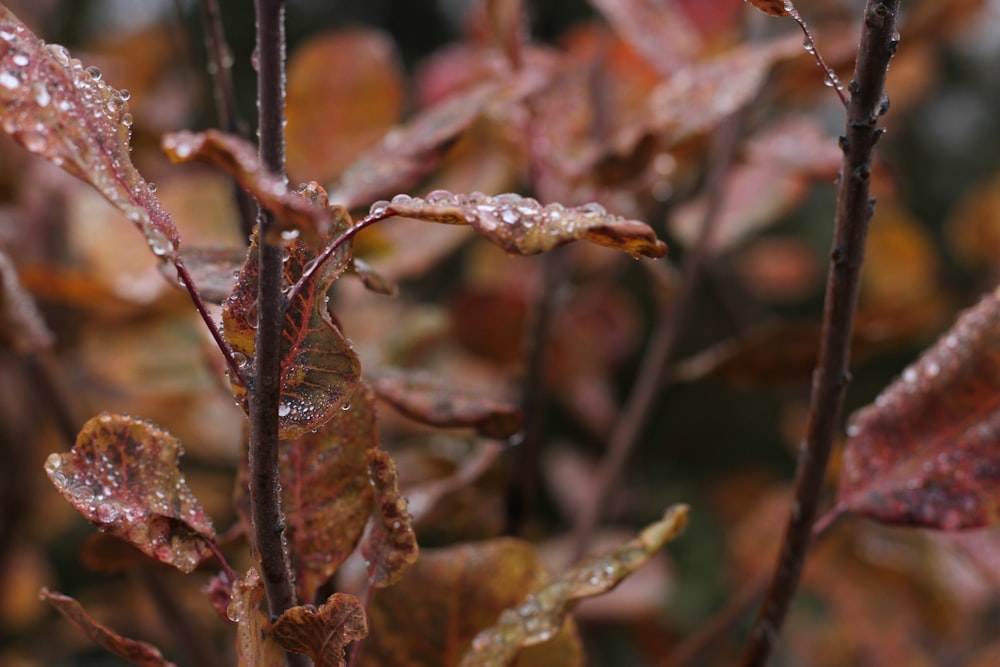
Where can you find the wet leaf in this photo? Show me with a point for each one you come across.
(521, 225)
(254, 644)
(372, 279)
(326, 493)
(410, 151)
(68, 114)
(925, 452)
(335, 113)
(391, 546)
(214, 270)
(294, 213)
(538, 618)
(322, 634)
(773, 7)
(22, 326)
(136, 652)
(319, 370)
(122, 476)
(429, 618)
(430, 399)
(660, 31)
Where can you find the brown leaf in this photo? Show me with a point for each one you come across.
(136, 652)
(214, 270)
(122, 476)
(294, 213)
(319, 370)
(22, 326)
(56, 108)
(335, 113)
(322, 634)
(773, 7)
(432, 400)
(925, 452)
(254, 644)
(541, 614)
(326, 493)
(372, 279)
(429, 618)
(391, 546)
(424, 498)
(521, 225)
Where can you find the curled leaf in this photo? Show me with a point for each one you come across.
(69, 115)
(430, 399)
(136, 652)
(391, 545)
(523, 226)
(322, 634)
(255, 646)
(774, 7)
(542, 613)
(925, 453)
(122, 476)
(294, 213)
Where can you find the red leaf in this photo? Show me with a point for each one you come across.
(322, 634)
(774, 7)
(136, 652)
(925, 453)
(521, 225)
(430, 399)
(658, 30)
(238, 158)
(67, 114)
(391, 546)
(319, 370)
(122, 476)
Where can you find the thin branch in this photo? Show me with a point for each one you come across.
(187, 281)
(265, 385)
(831, 77)
(654, 363)
(854, 210)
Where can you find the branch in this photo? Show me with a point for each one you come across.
(854, 210)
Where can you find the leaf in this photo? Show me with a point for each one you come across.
(660, 31)
(372, 279)
(254, 644)
(774, 7)
(429, 618)
(319, 370)
(322, 634)
(523, 226)
(67, 114)
(22, 326)
(214, 270)
(391, 546)
(294, 213)
(326, 492)
(122, 476)
(335, 113)
(136, 652)
(432, 400)
(542, 613)
(925, 453)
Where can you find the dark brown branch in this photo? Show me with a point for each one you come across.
(264, 387)
(854, 210)
(185, 279)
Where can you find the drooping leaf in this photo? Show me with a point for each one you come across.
(293, 213)
(925, 453)
(68, 114)
(430, 617)
(214, 270)
(326, 493)
(319, 370)
(136, 652)
(521, 225)
(323, 633)
(335, 113)
(372, 279)
(391, 545)
(122, 476)
(254, 644)
(773, 7)
(542, 613)
(22, 326)
(430, 399)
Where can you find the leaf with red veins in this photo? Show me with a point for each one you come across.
(521, 225)
(319, 370)
(926, 452)
(774, 7)
(122, 476)
(254, 644)
(430, 399)
(542, 613)
(136, 652)
(56, 108)
(238, 158)
(391, 545)
(323, 633)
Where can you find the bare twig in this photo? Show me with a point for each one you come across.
(831, 77)
(854, 210)
(654, 363)
(185, 279)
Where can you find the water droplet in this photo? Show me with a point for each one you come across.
(439, 197)
(10, 79)
(402, 199)
(284, 410)
(592, 209)
(151, 186)
(94, 73)
(932, 369)
(20, 59)
(378, 208)
(159, 243)
(6, 34)
(346, 406)
(41, 94)
(289, 234)
(509, 215)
